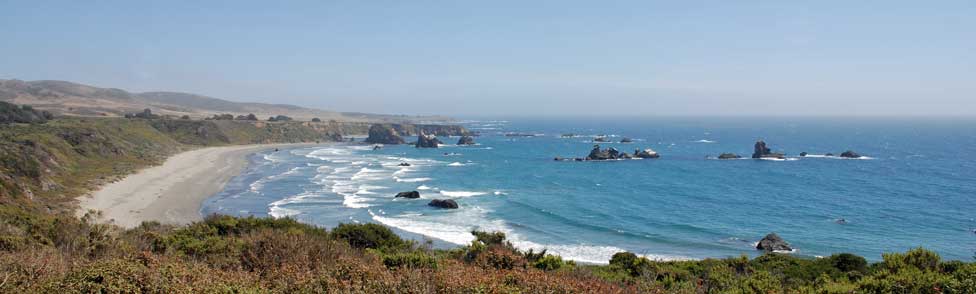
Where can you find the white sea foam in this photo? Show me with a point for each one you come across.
(423, 187)
(461, 193)
(402, 171)
(500, 193)
(705, 141)
(451, 233)
(411, 180)
(456, 164)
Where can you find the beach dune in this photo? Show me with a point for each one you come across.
(171, 193)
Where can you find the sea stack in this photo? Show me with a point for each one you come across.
(427, 141)
(773, 242)
(383, 134)
(443, 203)
(761, 151)
(466, 140)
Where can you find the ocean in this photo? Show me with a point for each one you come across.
(916, 186)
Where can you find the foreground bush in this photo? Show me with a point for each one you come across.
(372, 236)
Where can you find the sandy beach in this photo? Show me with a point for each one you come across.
(173, 192)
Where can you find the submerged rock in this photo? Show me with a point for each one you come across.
(850, 154)
(410, 194)
(626, 140)
(729, 156)
(443, 203)
(773, 242)
(761, 151)
(383, 134)
(646, 153)
(466, 140)
(601, 139)
(427, 141)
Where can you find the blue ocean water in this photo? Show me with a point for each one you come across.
(916, 187)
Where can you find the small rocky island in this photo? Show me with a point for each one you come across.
(773, 242)
(409, 195)
(443, 203)
(383, 134)
(466, 140)
(850, 154)
(761, 151)
(613, 154)
(427, 141)
(729, 156)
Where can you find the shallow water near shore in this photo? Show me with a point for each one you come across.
(914, 188)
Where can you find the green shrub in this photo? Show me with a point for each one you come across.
(549, 263)
(916, 258)
(492, 238)
(846, 262)
(414, 259)
(374, 236)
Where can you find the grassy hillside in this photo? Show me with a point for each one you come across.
(46, 248)
(67, 98)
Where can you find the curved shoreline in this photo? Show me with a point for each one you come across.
(173, 192)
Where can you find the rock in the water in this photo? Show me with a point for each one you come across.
(803, 154)
(466, 140)
(761, 151)
(626, 140)
(646, 153)
(773, 242)
(411, 195)
(427, 141)
(383, 134)
(829, 154)
(850, 154)
(404, 164)
(601, 139)
(597, 154)
(729, 156)
(443, 203)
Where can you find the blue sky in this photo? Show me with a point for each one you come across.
(631, 58)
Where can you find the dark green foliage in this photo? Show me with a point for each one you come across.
(249, 116)
(846, 262)
(549, 263)
(369, 235)
(279, 118)
(225, 116)
(10, 113)
(492, 238)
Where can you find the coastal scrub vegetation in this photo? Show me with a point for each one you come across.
(46, 248)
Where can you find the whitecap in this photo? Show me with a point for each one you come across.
(461, 193)
(423, 187)
(456, 164)
(411, 180)
(705, 141)
(456, 234)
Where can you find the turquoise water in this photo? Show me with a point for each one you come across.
(916, 187)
